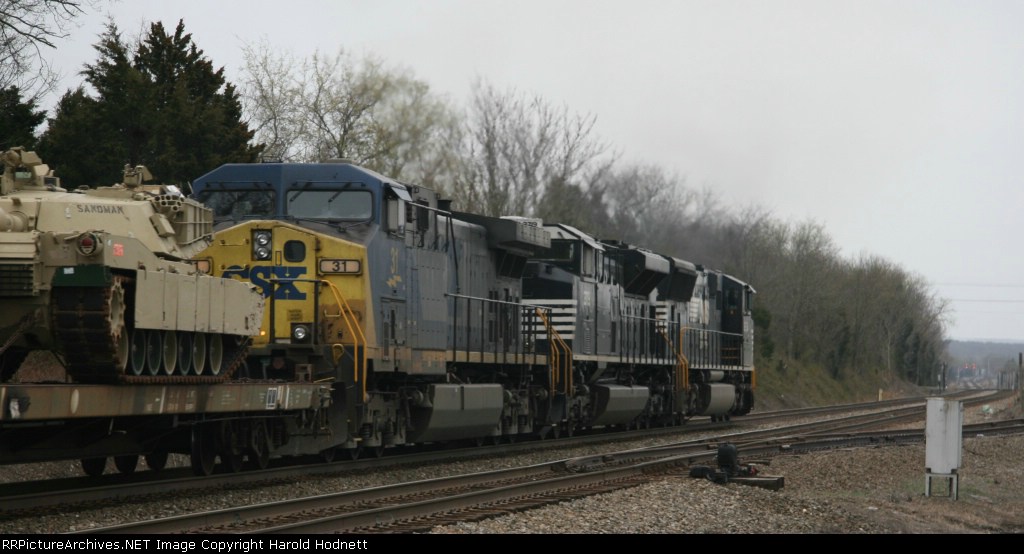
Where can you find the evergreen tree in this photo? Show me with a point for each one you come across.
(18, 119)
(158, 103)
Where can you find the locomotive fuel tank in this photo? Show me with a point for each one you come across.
(101, 277)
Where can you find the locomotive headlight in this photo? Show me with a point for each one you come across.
(261, 245)
(300, 332)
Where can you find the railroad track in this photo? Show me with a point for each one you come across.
(421, 505)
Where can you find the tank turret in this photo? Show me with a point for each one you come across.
(101, 277)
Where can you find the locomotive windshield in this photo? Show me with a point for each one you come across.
(239, 203)
(330, 204)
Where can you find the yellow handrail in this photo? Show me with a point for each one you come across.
(682, 364)
(355, 331)
(556, 358)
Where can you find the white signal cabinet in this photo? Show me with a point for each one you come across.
(943, 435)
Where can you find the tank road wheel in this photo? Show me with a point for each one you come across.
(184, 342)
(157, 459)
(204, 453)
(169, 351)
(137, 347)
(93, 467)
(154, 351)
(126, 464)
(214, 353)
(198, 353)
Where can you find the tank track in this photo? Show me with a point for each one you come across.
(88, 323)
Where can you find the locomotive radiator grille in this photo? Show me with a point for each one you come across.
(17, 280)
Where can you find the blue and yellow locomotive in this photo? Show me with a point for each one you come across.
(429, 324)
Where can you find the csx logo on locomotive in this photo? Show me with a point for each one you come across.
(261, 275)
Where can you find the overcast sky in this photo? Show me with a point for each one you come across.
(897, 124)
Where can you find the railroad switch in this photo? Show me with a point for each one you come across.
(730, 469)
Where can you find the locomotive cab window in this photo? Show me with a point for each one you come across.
(331, 204)
(239, 203)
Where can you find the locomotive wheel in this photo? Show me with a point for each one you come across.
(378, 451)
(157, 459)
(154, 351)
(93, 467)
(204, 453)
(214, 353)
(169, 349)
(126, 464)
(198, 353)
(327, 455)
(184, 342)
(355, 453)
(137, 348)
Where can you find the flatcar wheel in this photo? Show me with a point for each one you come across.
(184, 341)
(157, 459)
(198, 353)
(126, 464)
(137, 357)
(214, 353)
(154, 351)
(94, 467)
(259, 455)
(230, 454)
(170, 352)
(204, 454)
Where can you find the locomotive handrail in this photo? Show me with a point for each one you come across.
(348, 316)
(523, 347)
(556, 357)
(682, 364)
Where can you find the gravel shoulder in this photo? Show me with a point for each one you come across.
(878, 490)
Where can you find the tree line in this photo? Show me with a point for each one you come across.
(158, 100)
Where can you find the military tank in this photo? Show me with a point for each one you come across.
(101, 277)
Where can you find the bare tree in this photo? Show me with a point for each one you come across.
(516, 147)
(271, 100)
(26, 27)
(336, 106)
